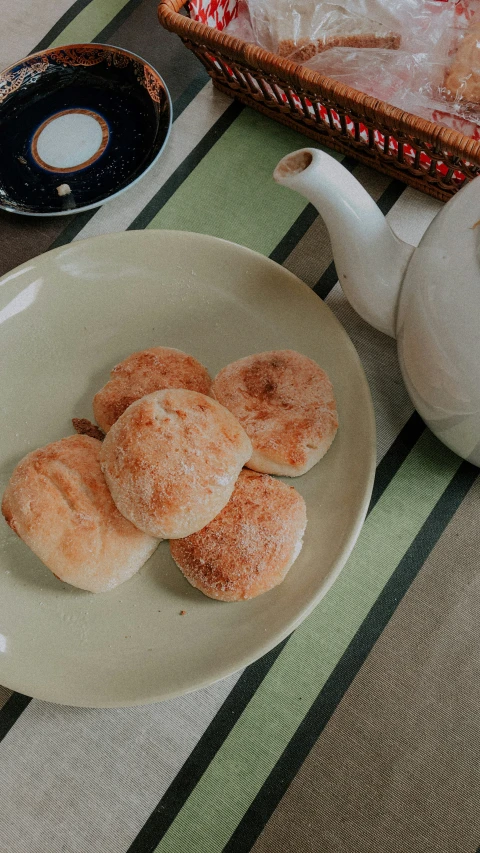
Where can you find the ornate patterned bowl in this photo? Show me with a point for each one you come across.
(79, 124)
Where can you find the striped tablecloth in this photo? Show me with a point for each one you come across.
(360, 733)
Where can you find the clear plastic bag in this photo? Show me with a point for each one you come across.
(302, 28)
(420, 55)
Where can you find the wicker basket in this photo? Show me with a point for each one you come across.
(429, 157)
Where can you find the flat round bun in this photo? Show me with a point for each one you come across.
(249, 547)
(171, 461)
(58, 502)
(285, 403)
(144, 372)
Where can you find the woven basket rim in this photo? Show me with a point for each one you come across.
(393, 119)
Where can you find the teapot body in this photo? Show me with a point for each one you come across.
(438, 330)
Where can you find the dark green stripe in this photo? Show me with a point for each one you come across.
(294, 234)
(61, 24)
(391, 195)
(119, 19)
(74, 226)
(11, 711)
(326, 282)
(89, 22)
(396, 455)
(185, 168)
(204, 751)
(189, 94)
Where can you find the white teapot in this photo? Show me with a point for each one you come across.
(427, 298)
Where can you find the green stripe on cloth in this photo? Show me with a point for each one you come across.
(239, 166)
(218, 803)
(89, 22)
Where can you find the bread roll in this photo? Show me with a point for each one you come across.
(286, 405)
(462, 79)
(250, 545)
(144, 372)
(58, 502)
(171, 461)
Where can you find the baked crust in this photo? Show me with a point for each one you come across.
(171, 461)
(144, 372)
(250, 546)
(286, 405)
(58, 502)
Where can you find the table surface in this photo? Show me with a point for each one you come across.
(361, 732)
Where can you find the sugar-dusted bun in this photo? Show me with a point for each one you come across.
(249, 547)
(285, 403)
(462, 78)
(171, 461)
(58, 502)
(144, 372)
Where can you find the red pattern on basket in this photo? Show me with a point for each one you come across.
(214, 13)
(219, 13)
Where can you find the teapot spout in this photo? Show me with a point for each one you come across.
(369, 258)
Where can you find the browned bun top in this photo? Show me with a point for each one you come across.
(171, 461)
(58, 502)
(286, 405)
(249, 546)
(144, 372)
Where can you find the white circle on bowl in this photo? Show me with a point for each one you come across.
(70, 140)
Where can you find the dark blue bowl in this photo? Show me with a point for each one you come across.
(79, 124)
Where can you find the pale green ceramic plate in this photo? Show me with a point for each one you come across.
(65, 319)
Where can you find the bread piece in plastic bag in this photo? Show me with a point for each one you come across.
(301, 29)
(296, 32)
(462, 76)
